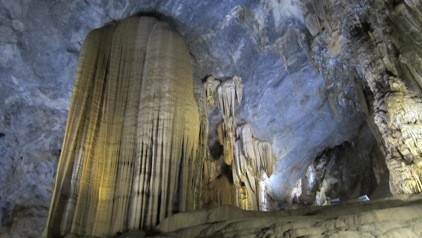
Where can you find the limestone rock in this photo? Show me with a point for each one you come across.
(317, 103)
(211, 85)
(388, 217)
(384, 44)
(229, 93)
(132, 138)
(250, 159)
(253, 163)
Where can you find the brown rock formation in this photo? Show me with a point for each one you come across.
(251, 161)
(130, 155)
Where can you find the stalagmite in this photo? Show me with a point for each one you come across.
(131, 154)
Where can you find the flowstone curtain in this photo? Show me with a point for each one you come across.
(130, 156)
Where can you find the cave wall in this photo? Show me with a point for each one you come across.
(297, 91)
(370, 45)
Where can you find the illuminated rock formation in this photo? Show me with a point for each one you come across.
(402, 132)
(380, 44)
(130, 155)
(315, 78)
(228, 93)
(252, 165)
(211, 84)
(344, 172)
(251, 160)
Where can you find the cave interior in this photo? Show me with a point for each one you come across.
(192, 118)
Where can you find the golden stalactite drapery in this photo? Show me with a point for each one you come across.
(130, 156)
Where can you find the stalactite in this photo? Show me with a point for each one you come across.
(134, 138)
(228, 92)
(211, 84)
(251, 160)
(253, 163)
(226, 135)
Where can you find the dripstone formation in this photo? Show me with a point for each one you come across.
(250, 159)
(378, 42)
(264, 105)
(131, 151)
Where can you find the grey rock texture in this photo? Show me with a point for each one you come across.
(377, 45)
(345, 172)
(286, 100)
(400, 217)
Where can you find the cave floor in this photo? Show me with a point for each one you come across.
(388, 217)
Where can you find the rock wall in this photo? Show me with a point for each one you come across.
(345, 172)
(370, 41)
(296, 96)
